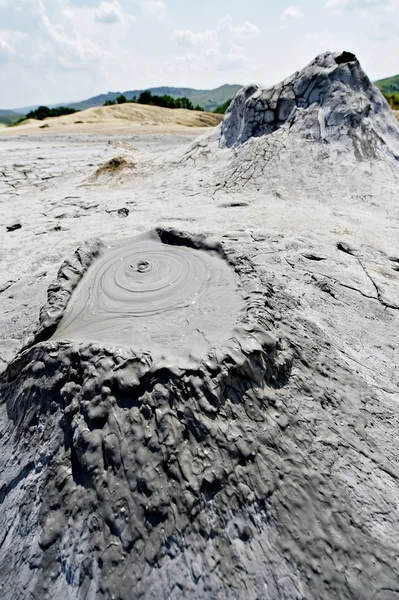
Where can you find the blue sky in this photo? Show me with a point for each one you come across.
(66, 50)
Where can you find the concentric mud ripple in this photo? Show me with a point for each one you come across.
(144, 293)
(147, 278)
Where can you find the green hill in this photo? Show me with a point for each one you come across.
(390, 85)
(212, 99)
(209, 99)
(220, 110)
(390, 88)
(9, 117)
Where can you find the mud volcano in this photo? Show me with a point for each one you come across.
(328, 100)
(130, 406)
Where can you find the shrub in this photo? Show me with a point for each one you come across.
(220, 110)
(44, 111)
(167, 101)
(145, 98)
(393, 100)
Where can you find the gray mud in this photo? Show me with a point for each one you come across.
(330, 98)
(169, 299)
(117, 427)
(264, 466)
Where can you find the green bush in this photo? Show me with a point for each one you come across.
(220, 110)
(44, 111)
(10, 120)
(393, 100)
(166, 101)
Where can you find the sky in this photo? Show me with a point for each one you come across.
(58, 51)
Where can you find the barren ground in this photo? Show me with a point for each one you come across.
(296, 232)
(48, 184)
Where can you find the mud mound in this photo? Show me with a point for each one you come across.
(139, 454)
(210, 477)
(115, 166)
(329, 99)
(329, 115)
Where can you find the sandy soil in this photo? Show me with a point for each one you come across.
(134, 118)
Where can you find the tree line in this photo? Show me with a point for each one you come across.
(44, 111)
(164, 101)
(146, 97)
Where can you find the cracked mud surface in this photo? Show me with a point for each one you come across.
(273, 479)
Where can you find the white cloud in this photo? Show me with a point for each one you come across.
(9, 41)
(185, 62)
(340, 5)
(217, 48)
(212, 52)
(212, 58)
(386, 27)
(155, 8)
(68, 13)
(83, 3)
(6, 50)
(186, 37)
(337, 5)
(246, 29)
(233, 60)
(74, 48)
(109, 12)
(291, 13)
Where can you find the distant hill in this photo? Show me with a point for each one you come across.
(9, 117)
(208, 99)
(390, 85)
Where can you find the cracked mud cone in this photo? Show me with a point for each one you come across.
(142, 470)
(329, 99)
(134, 407)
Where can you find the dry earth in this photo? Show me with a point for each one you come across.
(306, 199)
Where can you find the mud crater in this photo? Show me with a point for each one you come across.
(154, 295)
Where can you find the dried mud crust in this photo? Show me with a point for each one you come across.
(217, 481)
